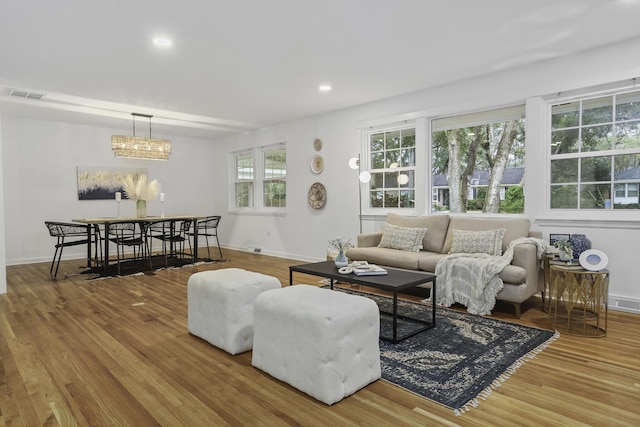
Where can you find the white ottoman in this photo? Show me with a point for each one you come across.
(220, 306)
(322, 342)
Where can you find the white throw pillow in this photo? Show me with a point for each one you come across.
(403, 238)
(473, 242)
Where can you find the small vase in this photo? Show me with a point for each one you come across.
(141, 209)
(341, 260)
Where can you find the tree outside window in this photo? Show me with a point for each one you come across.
(478, 162)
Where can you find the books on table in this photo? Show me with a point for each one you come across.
(567, 265)
(369, 270)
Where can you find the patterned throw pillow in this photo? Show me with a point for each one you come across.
(403, 238)
(473, 242)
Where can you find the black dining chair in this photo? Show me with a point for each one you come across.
(208, 227)
(70, 234)
(174, 233)
(130, 234)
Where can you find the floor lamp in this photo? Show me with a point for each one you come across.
(363, 178)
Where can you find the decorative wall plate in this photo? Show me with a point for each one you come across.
(317, 144)
(593, 260)
(317, 164)
(317, 196)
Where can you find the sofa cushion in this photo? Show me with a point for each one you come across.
(514, 228)
(403, 238)
(472, 242)
(386, 256)
(436, 226)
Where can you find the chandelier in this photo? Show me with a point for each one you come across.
(139, 147)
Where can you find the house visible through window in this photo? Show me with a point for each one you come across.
(595, 152)
(477, 162)
(392, 166)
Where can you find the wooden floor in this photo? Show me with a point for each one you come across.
(117, 352)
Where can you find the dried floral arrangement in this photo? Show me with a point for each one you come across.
(341, 243)
(140, 188)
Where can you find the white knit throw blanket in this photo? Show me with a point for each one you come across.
(472, 279)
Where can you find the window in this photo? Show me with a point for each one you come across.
(477, 162)
(595, 153)
(275, 173)
(244, 180)
(392, 167)
(259, 180)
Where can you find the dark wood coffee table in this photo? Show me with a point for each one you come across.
(394, 281)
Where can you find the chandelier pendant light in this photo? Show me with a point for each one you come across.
(139, 147)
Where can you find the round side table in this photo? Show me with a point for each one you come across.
(578, 300)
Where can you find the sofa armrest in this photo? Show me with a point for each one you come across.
(525, 255)
(368, 240)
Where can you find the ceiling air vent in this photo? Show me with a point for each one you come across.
(25, 94)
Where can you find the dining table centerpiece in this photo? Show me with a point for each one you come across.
(140, 189)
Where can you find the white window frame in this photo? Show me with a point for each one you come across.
(365, 165)
(605, 214)
(258, 156)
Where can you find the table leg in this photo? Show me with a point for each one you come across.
(195, 241)
(394, 339)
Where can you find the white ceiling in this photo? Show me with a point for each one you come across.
(237, 65)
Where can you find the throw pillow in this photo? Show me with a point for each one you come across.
(403, 238)
(473, 242)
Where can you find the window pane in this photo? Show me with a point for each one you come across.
(408, 176)
(275, 194)
(593, 196)
(598, 110)
(391, 199)
(377, 142)
(627, 166)
(408, 157)
(564, 196)
(407, 199)
(565, 115)
(393, 158)
(376, 199)
(628, 135)
(275, 163)
(392, 140)
(244, 194)
(564, 141)
(564, 170)
(244, 167)
(597, 138)
(408, 138)
(628, 106)
(377, 160)
(376, 181)
(595, 169)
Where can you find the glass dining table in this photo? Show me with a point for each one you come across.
(104, 224)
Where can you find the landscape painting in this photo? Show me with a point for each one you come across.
(102, 183)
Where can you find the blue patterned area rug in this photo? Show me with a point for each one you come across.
(460, 360)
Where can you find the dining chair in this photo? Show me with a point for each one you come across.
(174, 233)
(79, 235)
(130, 234)
(208, 227)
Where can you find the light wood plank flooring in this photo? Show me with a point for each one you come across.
(116, 352)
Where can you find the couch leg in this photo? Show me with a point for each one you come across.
(517, 307)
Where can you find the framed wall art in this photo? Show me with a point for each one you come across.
(102, 183)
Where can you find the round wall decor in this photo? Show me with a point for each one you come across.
(317, 144)
(317, 195)
(317, 164)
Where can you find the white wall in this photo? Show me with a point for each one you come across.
(303, 232)
(39, 171)
(3, 263)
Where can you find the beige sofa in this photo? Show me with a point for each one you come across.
(521, 279)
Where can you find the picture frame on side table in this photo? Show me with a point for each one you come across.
(553, 238)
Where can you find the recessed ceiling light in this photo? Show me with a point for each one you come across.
(161, 41)
(324, 88)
